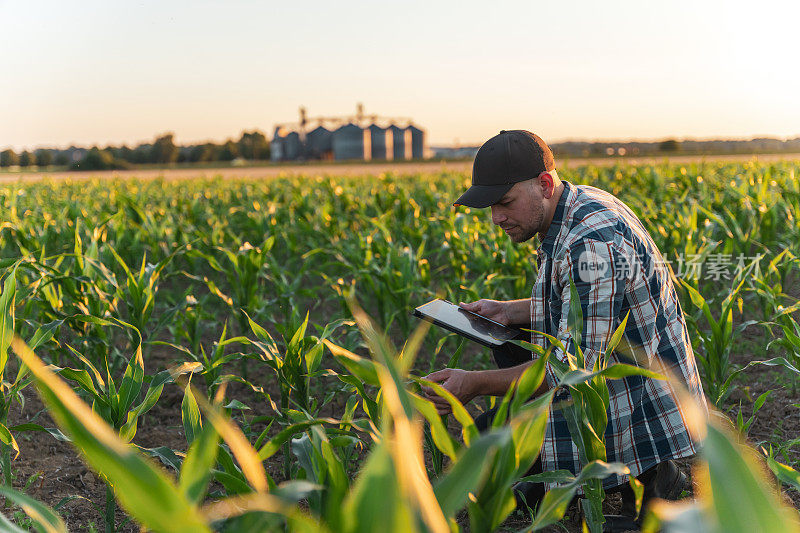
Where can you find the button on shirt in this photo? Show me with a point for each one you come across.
(598, 242)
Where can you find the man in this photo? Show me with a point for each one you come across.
(589, 236)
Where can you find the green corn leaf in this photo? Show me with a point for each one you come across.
(131, 381)
(742, 499)
(99, 383)
(313, 357)
(775, 361)
(530, 380)
(468, 471)
(366, 504)
(275, 443)
(338, 482)
(469, 430)
(298, 335)
(199, 462)
(444, 442)
(8, 439)
(616, 337)
(527, 431)
(167, 456)
(54, 432)
(615, 371)
(7, 304)
(190, 415)
(84, 380)
(785, 474)
(44, 518)
(360, 367)
(44, 333)
(638, 493)
(247, 457)
(555, 501)
(575, 318)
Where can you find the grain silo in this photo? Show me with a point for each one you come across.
(401, 142)
(381, 140)
(352, 142)
(319, 143)
(277, 146)
(417, 142)
(292, 146)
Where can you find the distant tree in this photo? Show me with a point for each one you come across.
(8, 158)
(62, 159)
(97, 159)
(124, 153)
(203, 153)
(184, 152)
(229, 151)
(164, 150)
(44, 158)
(141, 154)
(26, 159)
(670, 145)
(253, 146)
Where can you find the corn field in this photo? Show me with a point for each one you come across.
(240, 355)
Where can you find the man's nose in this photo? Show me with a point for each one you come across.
(497, 217)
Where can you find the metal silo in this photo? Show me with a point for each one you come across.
(401, 141)
(417, 142)
(352, 142)
(381, 139)
(293, 148)
(276, 147)
(319, 143)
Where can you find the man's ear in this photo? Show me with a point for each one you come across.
(546, 182)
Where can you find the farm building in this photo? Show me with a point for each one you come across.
(358, 137)
(381, 142)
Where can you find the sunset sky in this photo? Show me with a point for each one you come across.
(112, 72)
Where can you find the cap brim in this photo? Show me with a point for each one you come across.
(481, 196)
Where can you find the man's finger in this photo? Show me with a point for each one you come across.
(439, 375)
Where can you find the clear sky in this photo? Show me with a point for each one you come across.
(103, 72)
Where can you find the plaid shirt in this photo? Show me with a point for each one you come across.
(600, 243)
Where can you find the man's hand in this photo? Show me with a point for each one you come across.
(491, 309)
(460, 383)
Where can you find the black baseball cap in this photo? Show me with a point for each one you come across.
(505, 159)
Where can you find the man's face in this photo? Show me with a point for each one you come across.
(521, 211)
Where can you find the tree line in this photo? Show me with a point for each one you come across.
(251, 146)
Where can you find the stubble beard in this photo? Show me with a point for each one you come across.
(532, 228)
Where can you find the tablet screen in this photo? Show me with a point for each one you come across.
(453, 318)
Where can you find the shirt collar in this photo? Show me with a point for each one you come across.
(549, 241)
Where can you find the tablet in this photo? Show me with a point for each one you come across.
(475, 327)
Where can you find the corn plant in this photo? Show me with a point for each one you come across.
(210, 362)
(244, 276)
(295, 367)
(139, 292)
(790, 342)
(784, 473)
(714, 358)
